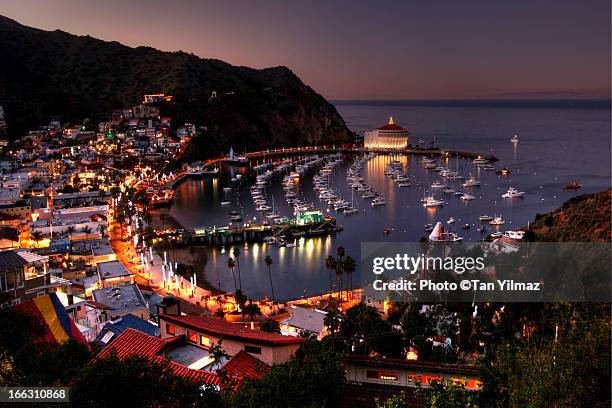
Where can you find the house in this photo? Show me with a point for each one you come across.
(205, 332)
(22, 277)
(118, 301)
(304, 322)
(114, 328)
(368, 378)
(186, 360)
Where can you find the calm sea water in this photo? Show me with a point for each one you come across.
(559, 142)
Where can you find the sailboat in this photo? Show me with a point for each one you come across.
(353, 208)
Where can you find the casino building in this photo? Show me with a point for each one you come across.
(388, 137)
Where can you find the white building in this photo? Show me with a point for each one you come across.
(388, 137)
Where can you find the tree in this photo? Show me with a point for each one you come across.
(231, 264)
(241, 299)
(311, 378)
(102, 229)
(137, 381)
(251, 309)
(236, 253)
(446, 394)
(349, 267)
(37, 237)
(330, 263)
(394, 401)
(86, 230)
(70, 230)
(268, 261)
(270, 326)
(339, 272)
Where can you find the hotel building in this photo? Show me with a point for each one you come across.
(388, 137)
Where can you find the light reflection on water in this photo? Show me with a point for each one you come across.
(540, 164)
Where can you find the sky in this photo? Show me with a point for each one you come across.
(367, 49)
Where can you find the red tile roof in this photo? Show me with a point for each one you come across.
(220, 327)
(244, 365)
(132, 342)
(391, 126)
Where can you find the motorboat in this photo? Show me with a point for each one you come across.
(451, 220)
(438, 184)
(467, 197)
(498, 220)
(504, 171)
(378, 201)
(235, 216)
(485, 217)
(224, 203)
(466, 226)
(471, 182)
(515, 139)
(480, 160)
(513, 193)
(514, 234)
(433, 202)
(403, 184)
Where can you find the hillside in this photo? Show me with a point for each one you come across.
(585, 218)
(53, 73)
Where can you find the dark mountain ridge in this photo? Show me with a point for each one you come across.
(53, 73)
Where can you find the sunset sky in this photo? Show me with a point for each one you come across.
(368, 49)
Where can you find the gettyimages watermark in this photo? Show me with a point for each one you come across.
(487, 272)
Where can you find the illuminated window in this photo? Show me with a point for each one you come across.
(252, 349)
(205, 341)
(381, 375)
(170, 329)
(192, 337)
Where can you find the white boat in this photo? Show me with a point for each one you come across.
(263, 208)
(497, 234)
(449, 190)
(485, 217)
(224, 203)
(467, 197)
(498, 220)
(403, 184)
(471, 182)
(514, 234)
(513, 193)
(378, 201)
(438, 184)
(515, 139)
(451, 220)
(480, 160)
(432, 202)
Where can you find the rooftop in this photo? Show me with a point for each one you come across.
(121, 297)
(220, 327)
(111, 269)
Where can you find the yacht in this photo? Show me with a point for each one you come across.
(451, 220)
(514, 234)
(497, 234)
(467, 197)
(235, 216)
(515, 139)
(403, 184)
(369, 194)
(224, 203)
(513, 193)
(485, 217)
(438, 184)
(471, 182)
(480, 160)
(432, 202)
(378, 201)
(263, 207)
(498, 220)
(449, 190)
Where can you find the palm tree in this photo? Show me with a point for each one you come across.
(339, 272)
(102, 229)
(252, 310)
(268, 261)
(231, 265)
(349, 267)
(86, 230)
(70, 230)
(236, 253)
(241, 299)
(330, 263)
(36, 236)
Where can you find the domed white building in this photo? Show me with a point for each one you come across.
(388, 137)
